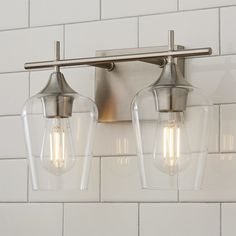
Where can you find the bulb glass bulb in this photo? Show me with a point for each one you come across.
(57, 153)
(171, 148)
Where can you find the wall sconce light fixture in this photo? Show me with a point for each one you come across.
(170, 118)
(176, 116)
(59, 126)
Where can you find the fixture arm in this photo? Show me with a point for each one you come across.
(107, 62)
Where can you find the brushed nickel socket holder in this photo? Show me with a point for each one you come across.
(115, 90)
(120, 74)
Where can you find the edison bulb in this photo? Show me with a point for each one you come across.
(171, 148)
(57, 153)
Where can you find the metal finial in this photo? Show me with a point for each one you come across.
(57, 50)
(171, 40)
(57, 54)
(171, 44)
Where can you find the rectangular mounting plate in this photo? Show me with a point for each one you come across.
(115, 90)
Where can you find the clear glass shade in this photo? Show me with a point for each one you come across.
(59, 148)
(171, 145)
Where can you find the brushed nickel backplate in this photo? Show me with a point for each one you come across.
(115, 89)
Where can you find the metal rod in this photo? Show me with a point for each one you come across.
(171, 40)
(171, 44)
(57, 50)
(108, 61)
(57, 54)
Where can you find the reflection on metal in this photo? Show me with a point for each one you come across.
(115, 90)
(107, 62)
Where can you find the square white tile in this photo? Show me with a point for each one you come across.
(101, 219)
(180, 219)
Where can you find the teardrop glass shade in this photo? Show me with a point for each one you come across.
(171, 144)
(59, 147)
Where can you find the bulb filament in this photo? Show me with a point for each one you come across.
(171, 145)
(57, 147)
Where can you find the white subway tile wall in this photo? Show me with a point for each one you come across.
(115, 204)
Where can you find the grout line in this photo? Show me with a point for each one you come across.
(28, 183)
(64, 41)
(138, 219)
(177, 5)
(219, 21)
(29, 13)
(63, 218)
(220, 219)
(100, 10)
(219, 124)
(227, 103)
(134, 155)
(29, 84)
(138, 41)
(14, 72)
(178, 191)
(11, 115)
(120, 202)
(224, 152)
(13, 159)
(100, 179)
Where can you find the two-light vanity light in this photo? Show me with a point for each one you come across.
(170, 119)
